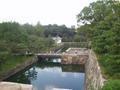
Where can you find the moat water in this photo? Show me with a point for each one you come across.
(49, 75)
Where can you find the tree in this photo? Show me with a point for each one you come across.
(101, 26)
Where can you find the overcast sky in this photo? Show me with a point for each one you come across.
(45, 11)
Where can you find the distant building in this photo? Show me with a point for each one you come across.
(57, 39)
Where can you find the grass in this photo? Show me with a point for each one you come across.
(110, 69)
(112, 85)
(12, 61)
(110, 66)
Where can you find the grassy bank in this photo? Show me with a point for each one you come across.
(12, 61)
(110, 65)
(112, 84)
(111, 72)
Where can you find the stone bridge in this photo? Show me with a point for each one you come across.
(49, 55)
(71, 56)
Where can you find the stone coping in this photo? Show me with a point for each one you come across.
(14, 86)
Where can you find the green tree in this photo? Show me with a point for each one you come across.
(101, 26)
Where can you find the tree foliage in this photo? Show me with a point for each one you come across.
(19, 39)
(101, 21)
(54, 30)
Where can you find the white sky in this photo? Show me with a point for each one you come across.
(45, 11)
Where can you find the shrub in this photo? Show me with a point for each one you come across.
(112, 85)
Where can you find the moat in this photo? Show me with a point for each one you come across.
(51, 75)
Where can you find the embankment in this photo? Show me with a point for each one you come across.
(18, 68)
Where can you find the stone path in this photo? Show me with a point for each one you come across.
(14, 86)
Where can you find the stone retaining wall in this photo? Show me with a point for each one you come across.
(93, 75)
(93, 78)
(74, 59)
(18, 68)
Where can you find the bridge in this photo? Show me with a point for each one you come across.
(69, 51)
(65, 45)
(56, 54)
(71, 56)
(49, 55)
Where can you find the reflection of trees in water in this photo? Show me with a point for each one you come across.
(21, 77)
(65, 68)
(31, 73)
(72, 68)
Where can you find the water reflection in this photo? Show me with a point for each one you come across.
(46, 76)
(31, 73)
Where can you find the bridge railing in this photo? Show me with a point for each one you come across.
(65, 45)
(76, 44)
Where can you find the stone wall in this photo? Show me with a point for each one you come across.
(93, 75)
(93, 78)
(18, 68)
(74, 59)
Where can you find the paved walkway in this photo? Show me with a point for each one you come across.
(14, 86)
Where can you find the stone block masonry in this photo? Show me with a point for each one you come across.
(74, 59)
(75, 56)
(93, 78)
(93, 75)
